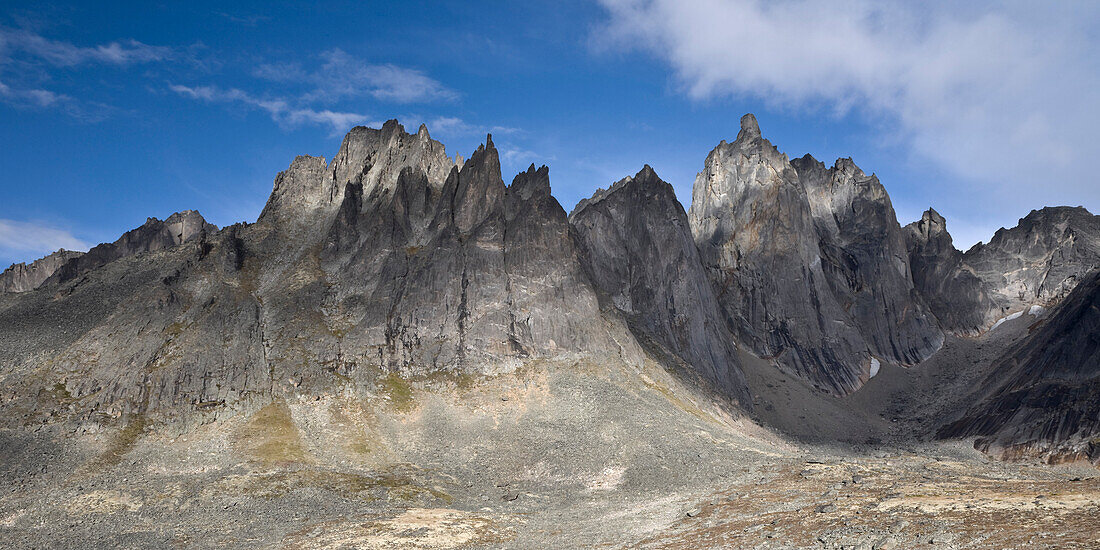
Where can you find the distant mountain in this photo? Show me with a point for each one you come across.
(1042, 398)
(1038, 262)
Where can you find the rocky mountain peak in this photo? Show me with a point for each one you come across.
(531, 183)
(931, 225)
(634, 235)
(22, 277)
(750, 129)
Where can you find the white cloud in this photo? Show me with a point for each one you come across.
(280, 110)
(18, 238)
(342, 75)
(65, 54)
(1002, 95)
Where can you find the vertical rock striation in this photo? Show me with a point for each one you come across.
(639, 251)
(809, 263)
(864, 257)
(957, 297)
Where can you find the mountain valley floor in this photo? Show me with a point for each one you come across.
(555, 455)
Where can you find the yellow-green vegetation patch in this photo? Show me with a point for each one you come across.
(679, 403)
(271, 437)
(121, 444)
(460, 380)
(398, 390)
(382, 485)
(175, 329)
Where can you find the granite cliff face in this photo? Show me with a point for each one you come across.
(1038, 262)
(1042, 398)
(865, 259)
(639, 252)
(956, 295)
(459, 273)
(809, 263)
(22, 277)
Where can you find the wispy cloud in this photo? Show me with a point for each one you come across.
(341, 76)
(246, 20)
(18, 238)
(66, 54)
(448, 126)
(1002, 94)
(280, 110)
(517, 157)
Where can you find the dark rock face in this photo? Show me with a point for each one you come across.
(809, 263)
(470, 274)
(957, 297)
(752, 223)
(1040, 260)
(22, 277)
(866, 262)
(639, 251)
(1042, 398)
(379, 262)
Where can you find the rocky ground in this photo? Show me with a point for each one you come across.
(554, 456)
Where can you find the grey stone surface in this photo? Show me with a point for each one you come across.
(153, 236)
(865, 259)
(640, 253)
(22, 277)
(956, 295)
(809, 263)
(1042, 398)
(1040, 260)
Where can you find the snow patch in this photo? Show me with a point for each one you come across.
(874, 367)
(1008, 318)
(1036, 311)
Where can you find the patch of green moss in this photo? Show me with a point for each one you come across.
(271, 437)
(174, 330)
(61, 393)
(398, 390)
(461, 380)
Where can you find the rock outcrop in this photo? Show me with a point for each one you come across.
(64, 265)
(469, 274)
(865, 259)
(1042, 398)
(1040, 260)
(809, 263)
(22, 277)
(957, 297)
(639, 252)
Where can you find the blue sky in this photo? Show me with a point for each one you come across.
(111, 115)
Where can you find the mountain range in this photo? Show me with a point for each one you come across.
(402, 310)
